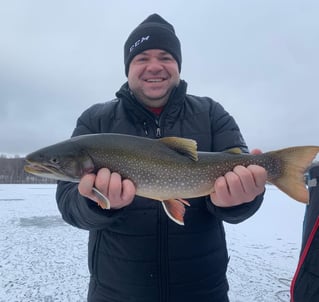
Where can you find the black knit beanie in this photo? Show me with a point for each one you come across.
(153, 33)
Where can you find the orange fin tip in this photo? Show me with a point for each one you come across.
(175, 209)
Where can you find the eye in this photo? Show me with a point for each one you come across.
(141, 59)
(166, 57)
(54, 160)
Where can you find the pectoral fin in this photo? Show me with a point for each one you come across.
(175, 209)
(104, 202)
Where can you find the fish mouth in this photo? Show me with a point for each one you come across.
(33, 167)
(48, 171)
(36, 168)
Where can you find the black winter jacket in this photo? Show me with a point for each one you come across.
(137, 253)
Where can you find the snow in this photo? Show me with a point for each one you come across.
(264, 250)
(44, 259)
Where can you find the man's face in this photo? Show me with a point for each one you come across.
(152, 75)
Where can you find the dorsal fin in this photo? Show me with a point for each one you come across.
(184, 146)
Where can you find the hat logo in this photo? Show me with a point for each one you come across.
(139, 42)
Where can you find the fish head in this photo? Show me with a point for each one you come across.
(63, 161)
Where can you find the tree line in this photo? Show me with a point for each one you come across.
(12, 172)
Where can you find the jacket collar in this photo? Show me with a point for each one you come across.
(139, 112)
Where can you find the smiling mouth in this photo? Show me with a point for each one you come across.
(155, 80)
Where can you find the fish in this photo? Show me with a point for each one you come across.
(170, 169)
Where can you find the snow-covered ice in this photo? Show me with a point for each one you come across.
(43, 259)
(264, 250)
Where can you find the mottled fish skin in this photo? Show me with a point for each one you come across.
(168, 168)
(180, 176)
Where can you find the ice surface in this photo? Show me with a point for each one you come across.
(44, 259)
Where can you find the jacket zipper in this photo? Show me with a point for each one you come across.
(158, 132)
(145, 127)
(163, 255)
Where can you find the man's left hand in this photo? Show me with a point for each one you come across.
(239, 186)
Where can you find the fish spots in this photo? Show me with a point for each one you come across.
(271, 164)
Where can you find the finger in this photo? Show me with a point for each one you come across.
(256, 151)
(221, 191)
(128, 191)
(102, 180)
(252, 182)
(259, 175)
(115, 187)
(245, 180)
(86, 184)
(236, 186)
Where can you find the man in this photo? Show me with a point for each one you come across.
(135, 252)
(305, 284)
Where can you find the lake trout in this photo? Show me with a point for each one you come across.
(169, 169)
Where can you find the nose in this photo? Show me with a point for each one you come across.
(154, 65)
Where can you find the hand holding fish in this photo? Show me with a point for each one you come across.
(118, 193)
(239, 186)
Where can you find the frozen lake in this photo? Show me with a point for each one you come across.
(44, 259)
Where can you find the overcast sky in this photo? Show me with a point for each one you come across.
(259, 59)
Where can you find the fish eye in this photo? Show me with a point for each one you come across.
(54, 160)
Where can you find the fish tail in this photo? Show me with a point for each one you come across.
(294, 163)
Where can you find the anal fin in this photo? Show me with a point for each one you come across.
(175, 209)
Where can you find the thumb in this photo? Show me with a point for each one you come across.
(256, 151)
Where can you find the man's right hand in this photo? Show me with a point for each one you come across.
(119, 192)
